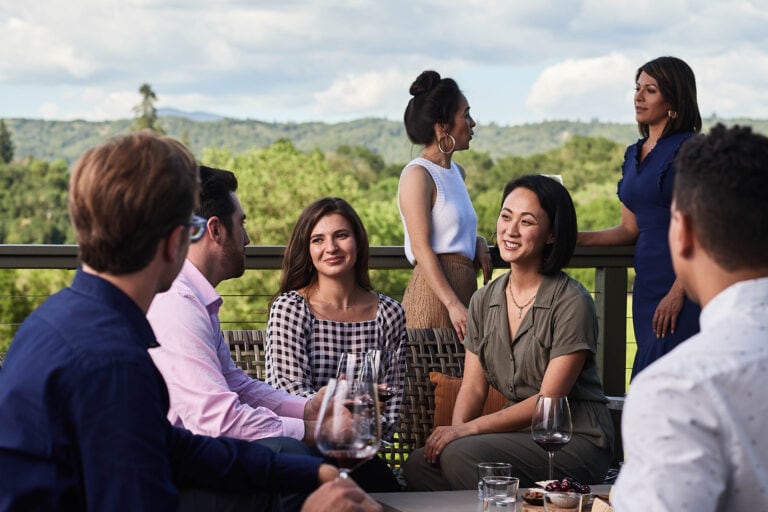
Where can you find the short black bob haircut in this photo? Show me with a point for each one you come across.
(557, 202)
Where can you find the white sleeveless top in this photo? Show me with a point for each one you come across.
(453, 218)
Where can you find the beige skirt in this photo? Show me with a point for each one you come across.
(423, 309)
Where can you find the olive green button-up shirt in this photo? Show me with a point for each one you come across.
(561, 321)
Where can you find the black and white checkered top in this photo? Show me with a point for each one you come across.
(302, 352)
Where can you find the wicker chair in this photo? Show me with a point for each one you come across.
(247, 348)
(429, 350)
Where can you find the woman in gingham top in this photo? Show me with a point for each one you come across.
(326, 306)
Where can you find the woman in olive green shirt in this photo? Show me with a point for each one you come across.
(531, 331)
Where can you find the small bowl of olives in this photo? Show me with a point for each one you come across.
(533, 496)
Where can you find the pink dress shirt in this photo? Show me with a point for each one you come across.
(209, 394)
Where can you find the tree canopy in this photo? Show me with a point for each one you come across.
(277, 181)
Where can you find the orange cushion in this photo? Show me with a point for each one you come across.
(446, 391)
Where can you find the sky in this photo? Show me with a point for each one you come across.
(337, 60)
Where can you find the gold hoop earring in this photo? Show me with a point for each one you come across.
(447, 151)
(672, 114)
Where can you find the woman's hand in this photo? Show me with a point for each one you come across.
(439, 439)
(483, 259)
(458, 314)
(665, 317)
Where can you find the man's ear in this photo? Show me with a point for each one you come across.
(682, 238)
(214, 229)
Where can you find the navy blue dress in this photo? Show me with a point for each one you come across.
(646, 189)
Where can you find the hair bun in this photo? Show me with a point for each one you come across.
(425, 82)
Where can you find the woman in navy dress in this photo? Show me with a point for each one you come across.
(667, 115)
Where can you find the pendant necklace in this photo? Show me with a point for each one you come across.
(518, 306)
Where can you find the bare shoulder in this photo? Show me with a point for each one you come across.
(416, 181)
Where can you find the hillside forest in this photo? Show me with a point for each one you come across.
(275, 182)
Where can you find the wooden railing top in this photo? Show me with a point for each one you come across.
(270, 256)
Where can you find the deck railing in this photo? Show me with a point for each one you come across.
(610, 264)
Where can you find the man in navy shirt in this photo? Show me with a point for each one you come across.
(83, 423)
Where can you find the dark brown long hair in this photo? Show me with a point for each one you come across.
(298, 270)
(677, 84)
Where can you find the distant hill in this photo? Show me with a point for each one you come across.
(192, 116)
(52, 140)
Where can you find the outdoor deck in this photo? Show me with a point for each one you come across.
(610, 264)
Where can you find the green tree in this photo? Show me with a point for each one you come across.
(6, 144)
(15, 305)
(33, 203)
(146, 113)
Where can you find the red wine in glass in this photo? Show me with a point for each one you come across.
(551, 426)
(388, 369)
(348, 459)
(386, 392)
(348, 428)
(551, 443)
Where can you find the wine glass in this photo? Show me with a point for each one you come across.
(389, 375)
(353, 365)
(348, 426)
(551, 426)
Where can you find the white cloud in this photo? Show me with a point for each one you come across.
(733, 84)
(368, 91)
(308, 60)
(31, 50)
(583, 89)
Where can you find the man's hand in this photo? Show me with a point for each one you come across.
(312, 407)
(340, 495)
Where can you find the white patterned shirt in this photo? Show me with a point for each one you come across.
(694, 422)
(302, 352)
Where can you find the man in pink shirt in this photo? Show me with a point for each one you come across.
(208, 393)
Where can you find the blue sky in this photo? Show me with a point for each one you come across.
(335, 60)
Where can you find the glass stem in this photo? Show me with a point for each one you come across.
(551, 458)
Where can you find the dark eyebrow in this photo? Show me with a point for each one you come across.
(521, 213)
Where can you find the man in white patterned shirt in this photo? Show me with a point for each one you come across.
(694, 421)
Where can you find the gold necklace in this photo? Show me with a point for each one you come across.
(518, 306)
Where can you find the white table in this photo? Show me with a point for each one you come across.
(447, 501)
(438, 501)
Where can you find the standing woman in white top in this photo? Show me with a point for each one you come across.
(440, 223)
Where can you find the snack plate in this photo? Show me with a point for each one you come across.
(586, 505)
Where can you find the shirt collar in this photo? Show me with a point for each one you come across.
(545, 295)
(201, 286)
(737, 297)
(111, 296)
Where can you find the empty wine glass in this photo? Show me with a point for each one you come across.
(348, 426)
(551, 426)
(352, 366)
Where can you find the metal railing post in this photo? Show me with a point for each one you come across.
(611, 304)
